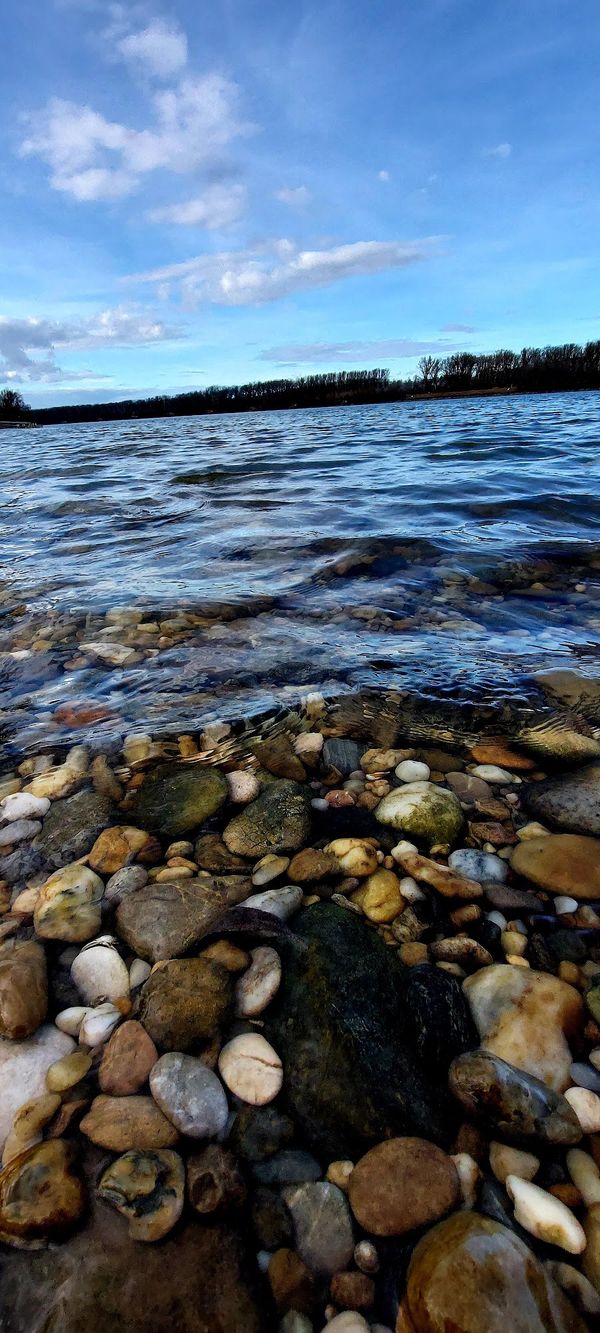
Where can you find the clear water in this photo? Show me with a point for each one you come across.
(443, 547)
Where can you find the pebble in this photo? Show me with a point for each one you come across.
(366, 1257)
(401, 1185)
(257, 987)
(381, 899)
(125, 1123)
(410, 770)
(23, 988)
(148, 1189)
(493, 773)
(99, 972)
(251, 1069)
(348, 1322)
(243, 786)
(98, 1023)
(190, 1095)
(356, 856)
(139, 973)
(22, 805)
(123, 882)
(525, 1018)
(505, 1160)
(577, 1286)
(41, 1197)
(308, 746)
(23, 1069)
(69, 1071)
(281, 903)
(68, 907)
(21, 830)
(510, 1102)
(564, 906)
(268, 868)
(481, 866)
(585, 1076)
(469, 1176)
(430, 813)
(545, 1216)
(322, 1226)
(127, 1060)
(214, 1180)
(563, 863)
(29, 1122)
(586, 1106)
(584, 1173)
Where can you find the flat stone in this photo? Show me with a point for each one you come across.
(122, 1123)
(127, 1060)
(311, 865)
(506, 898)
(276, 754)
(148, 1189)
(23, 988)
(343, 754)
(278, 821)
(501, 753)
(211, 854)
(471, 1273)
(29, 1124)
(177, 798)
(166, 920)
(23, 1069)
(322, 1225)
(68, 907)
(185, 1003)
(423, 811)
(525, 1017)
(570, 802)
(280, 903)
(401, 1185)
(116, 847)
(512, 1104)
(564, 863)
(72, 826)
(69, 1071)
(190, 1095)
(41, 1197)
(123, 882)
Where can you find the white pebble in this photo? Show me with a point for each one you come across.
(508, 1161)
(410, 770)
(318, 803)
(401, 849)
(585, 1175)
(545, 1216)
(562, 905)
(498, 919)
(98, 1025)
(19, 831)
(22, 805)
(281, 903)
(99, 972)
(410, 890)
(251, 1069)
(268, 868)
(138, 973)
(492, 773)
(309, 743)
(243, 786)
(583, 1295)
(348, 1322)
(586, 1106)
(70, 1020)
(366, 1257)
(255, 990)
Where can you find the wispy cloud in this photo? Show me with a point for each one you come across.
(218, 207)
(295, 197)
(501, 150)
(277, 269)
(28, 346)
(353, 352)
(160, 49)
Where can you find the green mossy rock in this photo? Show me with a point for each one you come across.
(277, 821)
(176, 798)
(423, 811)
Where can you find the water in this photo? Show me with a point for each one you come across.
(450, 547)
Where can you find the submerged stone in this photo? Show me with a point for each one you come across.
(185, 1003)
(525, 1017)
(23, 988)
(176, 798)
(278, 821)
(148, 1188)
(162, 921)
(423, 811)
(511, 1103)
(570, 802)
(565, 863)
(72, 826)
(402, 1185)
(40, 1195)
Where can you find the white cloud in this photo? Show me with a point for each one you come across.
(160, 49)
(278, 269)
(218, 207)
(383, 175)
(294, 197)
(353, 352)
(28, 346)
(90, 157)
(501, 150)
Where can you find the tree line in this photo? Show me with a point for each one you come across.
(533, 370)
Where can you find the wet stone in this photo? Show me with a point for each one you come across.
(41, 1197)
(128, 1058)
(23, 1068)
(260, 1131)
(322, 1225)
(148, 1189)
(271, 1220)
(526, 1017)
(510, 1103)
(482, 866)
(570, 802)
(124, 1123)
(402, 1185)
(166, 920)
(214, 1181)
(72, 826)
(563, 863)
(185, 1002)
(178, 798)
(23, 988)
(423, 811)
(190, 1095)
(278, 821)
(291, 1166)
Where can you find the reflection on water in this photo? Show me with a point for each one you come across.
(440, 546)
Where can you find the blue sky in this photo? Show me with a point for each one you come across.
(211, 193)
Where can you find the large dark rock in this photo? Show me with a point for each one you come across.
(197, 1280)
(72, 826)
(165, 920)
(570, 802)
(176, 798)
(437, 1016)
(353, 1073)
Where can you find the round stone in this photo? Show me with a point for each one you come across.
(322, 1225)
(68, 907)
(123, 1123)
(401, 1185)
(251, 1069)
(381, 899)
(40, 1196)
(190, 1095)
(255, 990)
(127, 1060)
(411, 770)
(564, 863)
(481, 866)
(99, 972)
(423, 811)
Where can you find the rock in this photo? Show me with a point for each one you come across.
(343, 754)
(190, 1095)
(471, 1273)
(68, 907)
(97, 1024)
(579, 1289)
(211, 854)
(506, 898)
(311, 865)
(23, 1068)
(166, 920)
(68, 1071)
(412, 770)
(128, 1058)
(138, 973)
(123, 882)
(61, 781)
(176, 798)
(467, 788)
(148, 1189)
(436, 1018)
(292, 1283)
(525, 1018)
(492, 773)
(276, 754)
(508, 1161)
(586, 1106)
(356, 856)
(258, 986)
(271, 1221)
(351, 1322)
(116, 848)
(214, 1181)
(281, 903)
(401, 1185)
(40, 1196)
(563, 863)
(442, 878)
(20, 831)
(352, 1291)
(29, 1123)
(585, 1175)
(23, 988)
(352, 1075)
(112, 654)
(70, 1020)
(199, 1278)
(278, 821)
(259, 1131)
(123, 1123)
(99, 972)
(22, 805)
(291, 1166)
(570, 802)
(500, 753)
(381, 899)
(545, 1216)
(482, 866)
(72, 826)
(309, 745)
(512, 1104)
(222, 951)
(185, 1003)
(322, 1226)
(423, 811)
(251, 1069)
(243, 787)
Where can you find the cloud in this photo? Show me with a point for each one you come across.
(28, 346)
(458, 328)
(501, 150)
(353, 352)
(294, 197)
(90, 157)
(278, 269)
(160, 49)
(218, 207)
(383, 175)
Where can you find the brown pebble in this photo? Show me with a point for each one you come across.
(352, 1291)
(413, 952)
(401, 1185)
(567, 1193)
(292, 1283)
(471, 1140)
(127, 1060)
(214, 1180)
(463, 915)
(228, 955)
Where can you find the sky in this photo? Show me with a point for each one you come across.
(211, 193)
